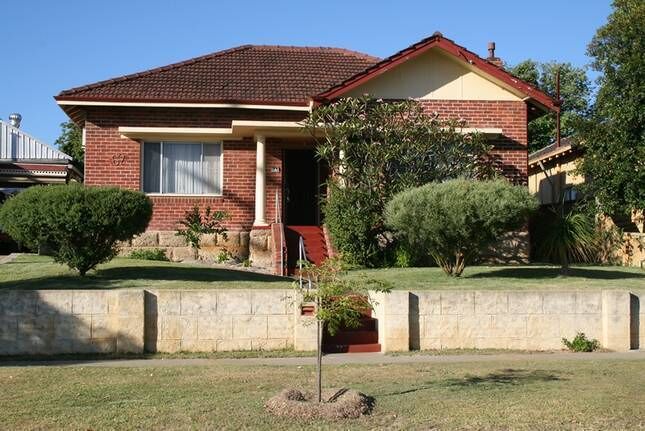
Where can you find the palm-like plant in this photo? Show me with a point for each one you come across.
(569, 237)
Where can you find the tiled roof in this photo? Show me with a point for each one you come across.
(246, 74)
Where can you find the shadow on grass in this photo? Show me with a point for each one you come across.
(547, 273)
(502, 378)
(134, 276)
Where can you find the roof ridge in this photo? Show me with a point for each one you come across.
(346, 51)
(155, 70)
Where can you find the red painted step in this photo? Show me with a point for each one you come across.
(353, 348)
(314, 242)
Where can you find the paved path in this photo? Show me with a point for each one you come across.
(339, 359)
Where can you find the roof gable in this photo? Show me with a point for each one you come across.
(492, 72)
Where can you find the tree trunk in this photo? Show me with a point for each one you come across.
(319, 337)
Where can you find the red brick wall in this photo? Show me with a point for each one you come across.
(111, 159)
(509, 152)
(114, 160)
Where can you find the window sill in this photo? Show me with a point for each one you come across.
(175, 195)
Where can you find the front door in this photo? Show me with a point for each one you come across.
(301, 188)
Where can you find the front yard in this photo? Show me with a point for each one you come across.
(525, 395)
(40, 272)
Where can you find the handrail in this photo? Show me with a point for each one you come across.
(302, 257)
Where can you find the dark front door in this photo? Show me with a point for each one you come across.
(301, 176)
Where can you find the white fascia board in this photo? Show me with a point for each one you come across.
(184, 105)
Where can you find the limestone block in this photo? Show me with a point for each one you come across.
(475, 326)
(588, 302)
(269, 344)
(491, 343)
(171, 239)
(511, 325)
(448, 327)
(559, 302)
(8, 329)
(245, 239)
(208, 240)
(250, 327)
(259, 240)
(537, 343)
(430, 343)
(179, 254)
(215, 327)
(103, 326)
(305, 334)
(204, 345)
(615, 302)
(146, 239)
(89, 302)
(429, 303)
(616, 320)
(54, 301)
(233, 345)
(106, 345)
(234, 302)
(571, 324)
(188, 327)
(168, 302)
(491, 302)
(270, 301)
(18, 303)
(168, 346)
(72, 326)
(169, 327)
(524, 303)
(131, 303)
(542, 326)
(280, 326)
(517, 344)
(198, 302)
(457, 303)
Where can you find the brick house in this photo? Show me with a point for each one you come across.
(223, 130)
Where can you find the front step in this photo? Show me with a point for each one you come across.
(352, 348)
(314, 241)
(354, 340)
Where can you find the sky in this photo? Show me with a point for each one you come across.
(52, 45)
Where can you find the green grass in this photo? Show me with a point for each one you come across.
(511, 277)
(519, 395)
(41, 272)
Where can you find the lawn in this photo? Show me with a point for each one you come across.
(511, 277)
(523, 395)
(40, 272)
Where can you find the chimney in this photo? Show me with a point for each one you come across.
(491, 55)
(14, 120)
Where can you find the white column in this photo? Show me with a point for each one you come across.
(260, 181)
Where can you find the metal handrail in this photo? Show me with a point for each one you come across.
(302, 256)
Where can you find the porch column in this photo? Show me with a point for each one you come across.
(260, 181)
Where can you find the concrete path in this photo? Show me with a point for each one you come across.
(340, 359)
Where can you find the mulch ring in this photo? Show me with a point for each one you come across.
(336, 404)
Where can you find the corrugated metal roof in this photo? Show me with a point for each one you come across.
(17, 145)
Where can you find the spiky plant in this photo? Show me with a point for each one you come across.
(569, 237)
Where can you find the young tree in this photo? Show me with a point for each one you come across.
(455, 220)
(575, 92)
(339, 301)
(614, 138)
(70, 142)
(376, 149)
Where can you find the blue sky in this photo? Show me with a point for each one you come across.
(51, 45)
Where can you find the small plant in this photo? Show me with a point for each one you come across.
(224, 256)
(195, 225)
(581, 343)
(246, 263)
(149, 254)
(339, 301)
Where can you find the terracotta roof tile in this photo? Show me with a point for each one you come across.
(248, 73)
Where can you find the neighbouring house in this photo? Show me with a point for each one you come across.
(223, 130)
(26, 161)
(553, 179)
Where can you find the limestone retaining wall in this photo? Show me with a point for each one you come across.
(131, 320)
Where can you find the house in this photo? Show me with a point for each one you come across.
(223, 130)
(554, 180)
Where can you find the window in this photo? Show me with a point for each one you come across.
(185, 168)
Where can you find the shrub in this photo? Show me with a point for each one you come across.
(196, 225)
(158, 254)
(581, 343)
(455, 220)
(82, 225)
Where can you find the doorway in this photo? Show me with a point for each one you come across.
(304, 178)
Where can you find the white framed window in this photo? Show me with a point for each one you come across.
(182, 168)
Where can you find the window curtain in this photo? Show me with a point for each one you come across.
(186, 168)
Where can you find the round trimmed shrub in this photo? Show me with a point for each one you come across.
(455, 220)
(81, 225)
